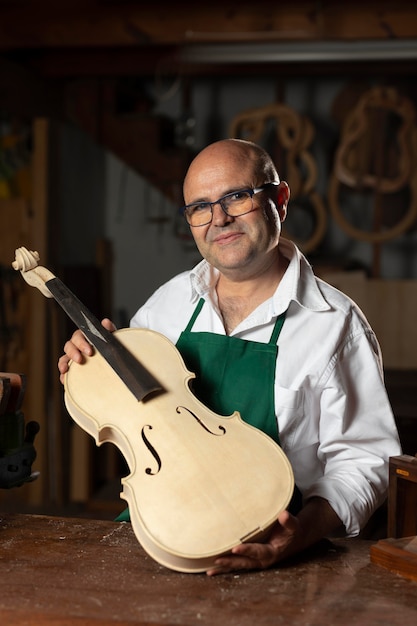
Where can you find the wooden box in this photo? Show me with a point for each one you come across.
(402, 496)
(398, 552)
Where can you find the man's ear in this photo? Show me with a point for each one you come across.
(283, 196)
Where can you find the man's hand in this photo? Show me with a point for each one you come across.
(249, 556)
(289, 536)
(77, 347)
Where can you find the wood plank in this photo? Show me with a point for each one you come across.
(16, 223)
(82, 571)
(36, 399)
(14, 347)
(390, 307)
(103, 24)
(397, 555)
(44, 390)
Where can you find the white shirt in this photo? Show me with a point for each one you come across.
(334, 418)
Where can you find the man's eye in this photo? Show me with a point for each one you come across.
(238, 195)
(203, 206)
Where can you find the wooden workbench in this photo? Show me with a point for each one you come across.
(58, 571)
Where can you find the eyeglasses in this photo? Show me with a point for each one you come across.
(233, 204)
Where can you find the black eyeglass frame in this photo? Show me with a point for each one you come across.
(251, 191)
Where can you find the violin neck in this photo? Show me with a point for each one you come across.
(135, 376)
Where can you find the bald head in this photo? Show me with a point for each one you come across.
(221, 154)
(240, 246)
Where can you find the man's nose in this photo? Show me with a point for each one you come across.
(220, 216)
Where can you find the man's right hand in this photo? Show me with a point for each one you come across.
(77, 347)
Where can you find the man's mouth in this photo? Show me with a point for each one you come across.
(226, 238)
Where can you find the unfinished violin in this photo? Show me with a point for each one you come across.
(199, 483)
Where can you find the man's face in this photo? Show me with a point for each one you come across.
(238, 247)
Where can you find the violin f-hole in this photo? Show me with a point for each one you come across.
(152, 450)
(221, 428)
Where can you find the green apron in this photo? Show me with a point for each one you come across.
(234, 374)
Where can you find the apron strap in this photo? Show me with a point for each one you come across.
(277, 328)
(194, 315)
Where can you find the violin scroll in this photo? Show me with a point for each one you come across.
(26, 261)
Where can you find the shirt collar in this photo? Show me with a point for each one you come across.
(298, 284)
(203, 279)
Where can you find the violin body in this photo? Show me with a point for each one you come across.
(199, 483)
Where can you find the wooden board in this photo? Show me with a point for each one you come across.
(390, 307)
(58, 572)
(14, 225)
(397, 555)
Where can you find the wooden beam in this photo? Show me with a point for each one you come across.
(92, 23)
(98, 62)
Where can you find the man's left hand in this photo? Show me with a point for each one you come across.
(250, 556)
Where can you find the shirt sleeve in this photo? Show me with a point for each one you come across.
(357, 434)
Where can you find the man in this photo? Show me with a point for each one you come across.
(321, 395)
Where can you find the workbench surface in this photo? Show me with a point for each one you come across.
(59, 571)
